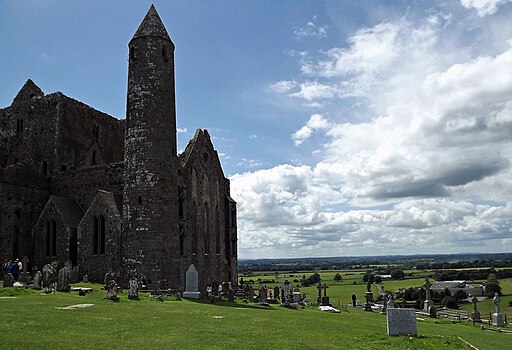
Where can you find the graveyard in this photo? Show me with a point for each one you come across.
(91, 319)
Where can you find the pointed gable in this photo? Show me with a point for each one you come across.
(93, 157)
(20, 153)
(152, 25)
(201, 148)
(108, 200)
(28, 91)
(67, 208)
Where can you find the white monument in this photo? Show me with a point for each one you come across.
(191, 284)
(498, 319)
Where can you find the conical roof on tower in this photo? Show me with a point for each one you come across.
(152, 25)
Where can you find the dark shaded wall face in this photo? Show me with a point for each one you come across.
(23, 194)
(99, 242)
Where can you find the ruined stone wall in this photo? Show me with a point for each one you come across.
(83, 184)
(56, 132)
(23, 194)
(208, 236)
(35, 138)
(79, 126)
(96, 265)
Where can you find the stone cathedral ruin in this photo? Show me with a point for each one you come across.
(80, 186)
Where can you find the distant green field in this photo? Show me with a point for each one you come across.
(34, 321)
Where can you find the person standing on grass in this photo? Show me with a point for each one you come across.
(15, 270)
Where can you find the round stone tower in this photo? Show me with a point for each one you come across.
(150, 194)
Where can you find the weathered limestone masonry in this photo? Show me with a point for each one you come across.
(150, 218)
(109, 195)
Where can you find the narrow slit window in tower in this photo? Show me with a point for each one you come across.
(102, 235)
(53, 251)
(95, 236)
(164, 53)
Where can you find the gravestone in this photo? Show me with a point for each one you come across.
(109, 276)
(63, 281)
(263, 295)
(85, 278)
(368, 297)
(498, 319)
(246, 292)
(36, 283)
(475, 314)
(428, 301)
(133, 286)
(325, 298)
(319, 298)
(191, 283)
(74, 276)
(276, 292)
(25, 275)
(112, 291)
(286, 293)
(251, 293)
(401, 321)
(231, 294)
(49, 277)
(8, 280)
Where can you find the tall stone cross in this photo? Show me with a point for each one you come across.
(319, 287)
(496, 301)
(325, 289)
(427, 286)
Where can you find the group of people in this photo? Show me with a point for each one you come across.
(12, 267)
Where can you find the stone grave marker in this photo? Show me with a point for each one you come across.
(191, 283)
(325, 298)
(49, 272)
(263, 295)
(133, 290)
(231, 294)
(36, 283)
(251, 293)
(475, 314)
(74, 276)
(276, 292)
(8, 280)
(498, 319)
(63, 281)
(25, 275)
(428, 301)
(319, 298)
(112, 291)
(401, 321)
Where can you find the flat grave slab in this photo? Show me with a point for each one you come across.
(76, 306)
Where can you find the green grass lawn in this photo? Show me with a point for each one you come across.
(34, 321)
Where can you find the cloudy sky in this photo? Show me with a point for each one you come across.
(346, 127)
